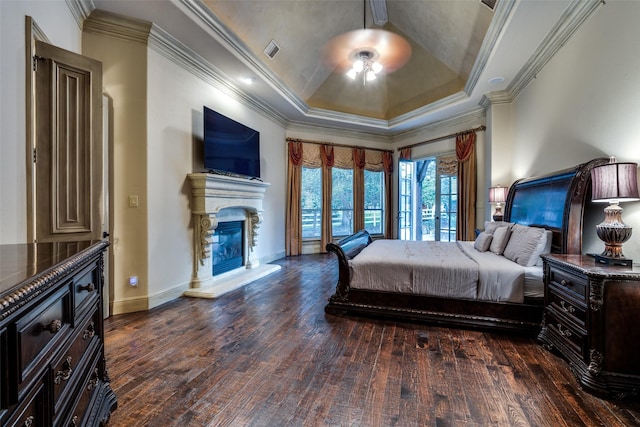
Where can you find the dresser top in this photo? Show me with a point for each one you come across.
(22, 263)
(587, 264)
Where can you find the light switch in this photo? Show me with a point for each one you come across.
(133, 201)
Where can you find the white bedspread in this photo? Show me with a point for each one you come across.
(444, 269)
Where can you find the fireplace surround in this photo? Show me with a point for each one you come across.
(218, 199)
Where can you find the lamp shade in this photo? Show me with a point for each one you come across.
(498, 194)
(615, 182)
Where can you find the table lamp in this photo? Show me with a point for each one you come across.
(614, 183)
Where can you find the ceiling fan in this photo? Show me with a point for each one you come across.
(367, 52)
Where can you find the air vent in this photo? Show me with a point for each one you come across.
(491, 4)
(272, 49)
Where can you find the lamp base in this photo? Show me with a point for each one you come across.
(497, 217)
(626, 262)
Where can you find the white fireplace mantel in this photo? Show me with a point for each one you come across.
(217, 198)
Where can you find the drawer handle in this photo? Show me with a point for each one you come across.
(74, 421)
(90, 331)
(52, 327)
(93, 382)
(564, 332)
(89, 287)
(29, 421)
(563, 282)
(65, 374)
(567, 307)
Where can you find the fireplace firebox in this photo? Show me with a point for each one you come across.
(227, 250)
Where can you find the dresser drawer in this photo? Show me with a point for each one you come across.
(69, 366)
(569, 283)
(84, 391)
(31, 413)
(38, 333)
(567, 307)
(567, 334)
(85, 288)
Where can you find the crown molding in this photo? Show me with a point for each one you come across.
(80, 9)
(573, 17)
(466, 120)
(500, 17)
(494, 98)
(178, 53)
(116, 26)
(240, 50)
(338, 132)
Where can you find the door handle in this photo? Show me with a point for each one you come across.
(105, 234)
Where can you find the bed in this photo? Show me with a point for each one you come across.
(455, 283)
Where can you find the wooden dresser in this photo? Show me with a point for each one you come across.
(52, 362)
(592, 317)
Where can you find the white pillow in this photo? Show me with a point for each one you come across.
(491, 226)
(500, 239)
(483, 241)
(522, 244)
(544, 247)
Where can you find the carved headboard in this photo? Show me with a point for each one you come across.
(556, 202)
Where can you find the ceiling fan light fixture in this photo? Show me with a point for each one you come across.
(364, 62)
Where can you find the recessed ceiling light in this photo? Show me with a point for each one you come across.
(248, 80)
(496, 80)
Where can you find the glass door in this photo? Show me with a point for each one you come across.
(448, 208)
(428, 201)
(405, 200)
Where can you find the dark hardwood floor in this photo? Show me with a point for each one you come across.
(267, 355)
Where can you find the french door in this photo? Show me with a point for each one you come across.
(427, 201)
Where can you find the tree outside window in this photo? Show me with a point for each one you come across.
(311, 200)
(342, 202)
(373, 201)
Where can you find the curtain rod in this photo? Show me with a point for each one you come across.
(444, 137)
(337, 145)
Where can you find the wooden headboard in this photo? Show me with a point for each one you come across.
(556, 202)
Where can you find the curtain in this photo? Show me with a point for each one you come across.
(359, 163)
(387, 162)
(328, 160)
(293, 231)
(405, 154)
(467, 178)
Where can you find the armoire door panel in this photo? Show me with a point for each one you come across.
(68, 157)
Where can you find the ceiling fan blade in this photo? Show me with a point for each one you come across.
(392, 50)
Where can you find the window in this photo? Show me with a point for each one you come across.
(311, 201)
(373, 201)
(342, 202)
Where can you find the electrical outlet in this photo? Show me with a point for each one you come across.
(133, 281)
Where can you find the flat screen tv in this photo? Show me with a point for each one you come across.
(230, 147)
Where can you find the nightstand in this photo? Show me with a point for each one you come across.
(592, 318)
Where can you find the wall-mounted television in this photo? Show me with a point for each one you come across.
(230, 147)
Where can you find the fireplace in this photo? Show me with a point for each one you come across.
(218, 202)
(227, 247)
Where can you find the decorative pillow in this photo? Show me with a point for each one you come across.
(500, 239)
(483, 241)
(544, 247)
(523, 243)
(491, 226)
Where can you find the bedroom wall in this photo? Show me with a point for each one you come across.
(175, 131)
(157, 130)
(584, 104)
(61, 29)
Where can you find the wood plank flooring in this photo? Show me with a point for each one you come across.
(267, 355)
